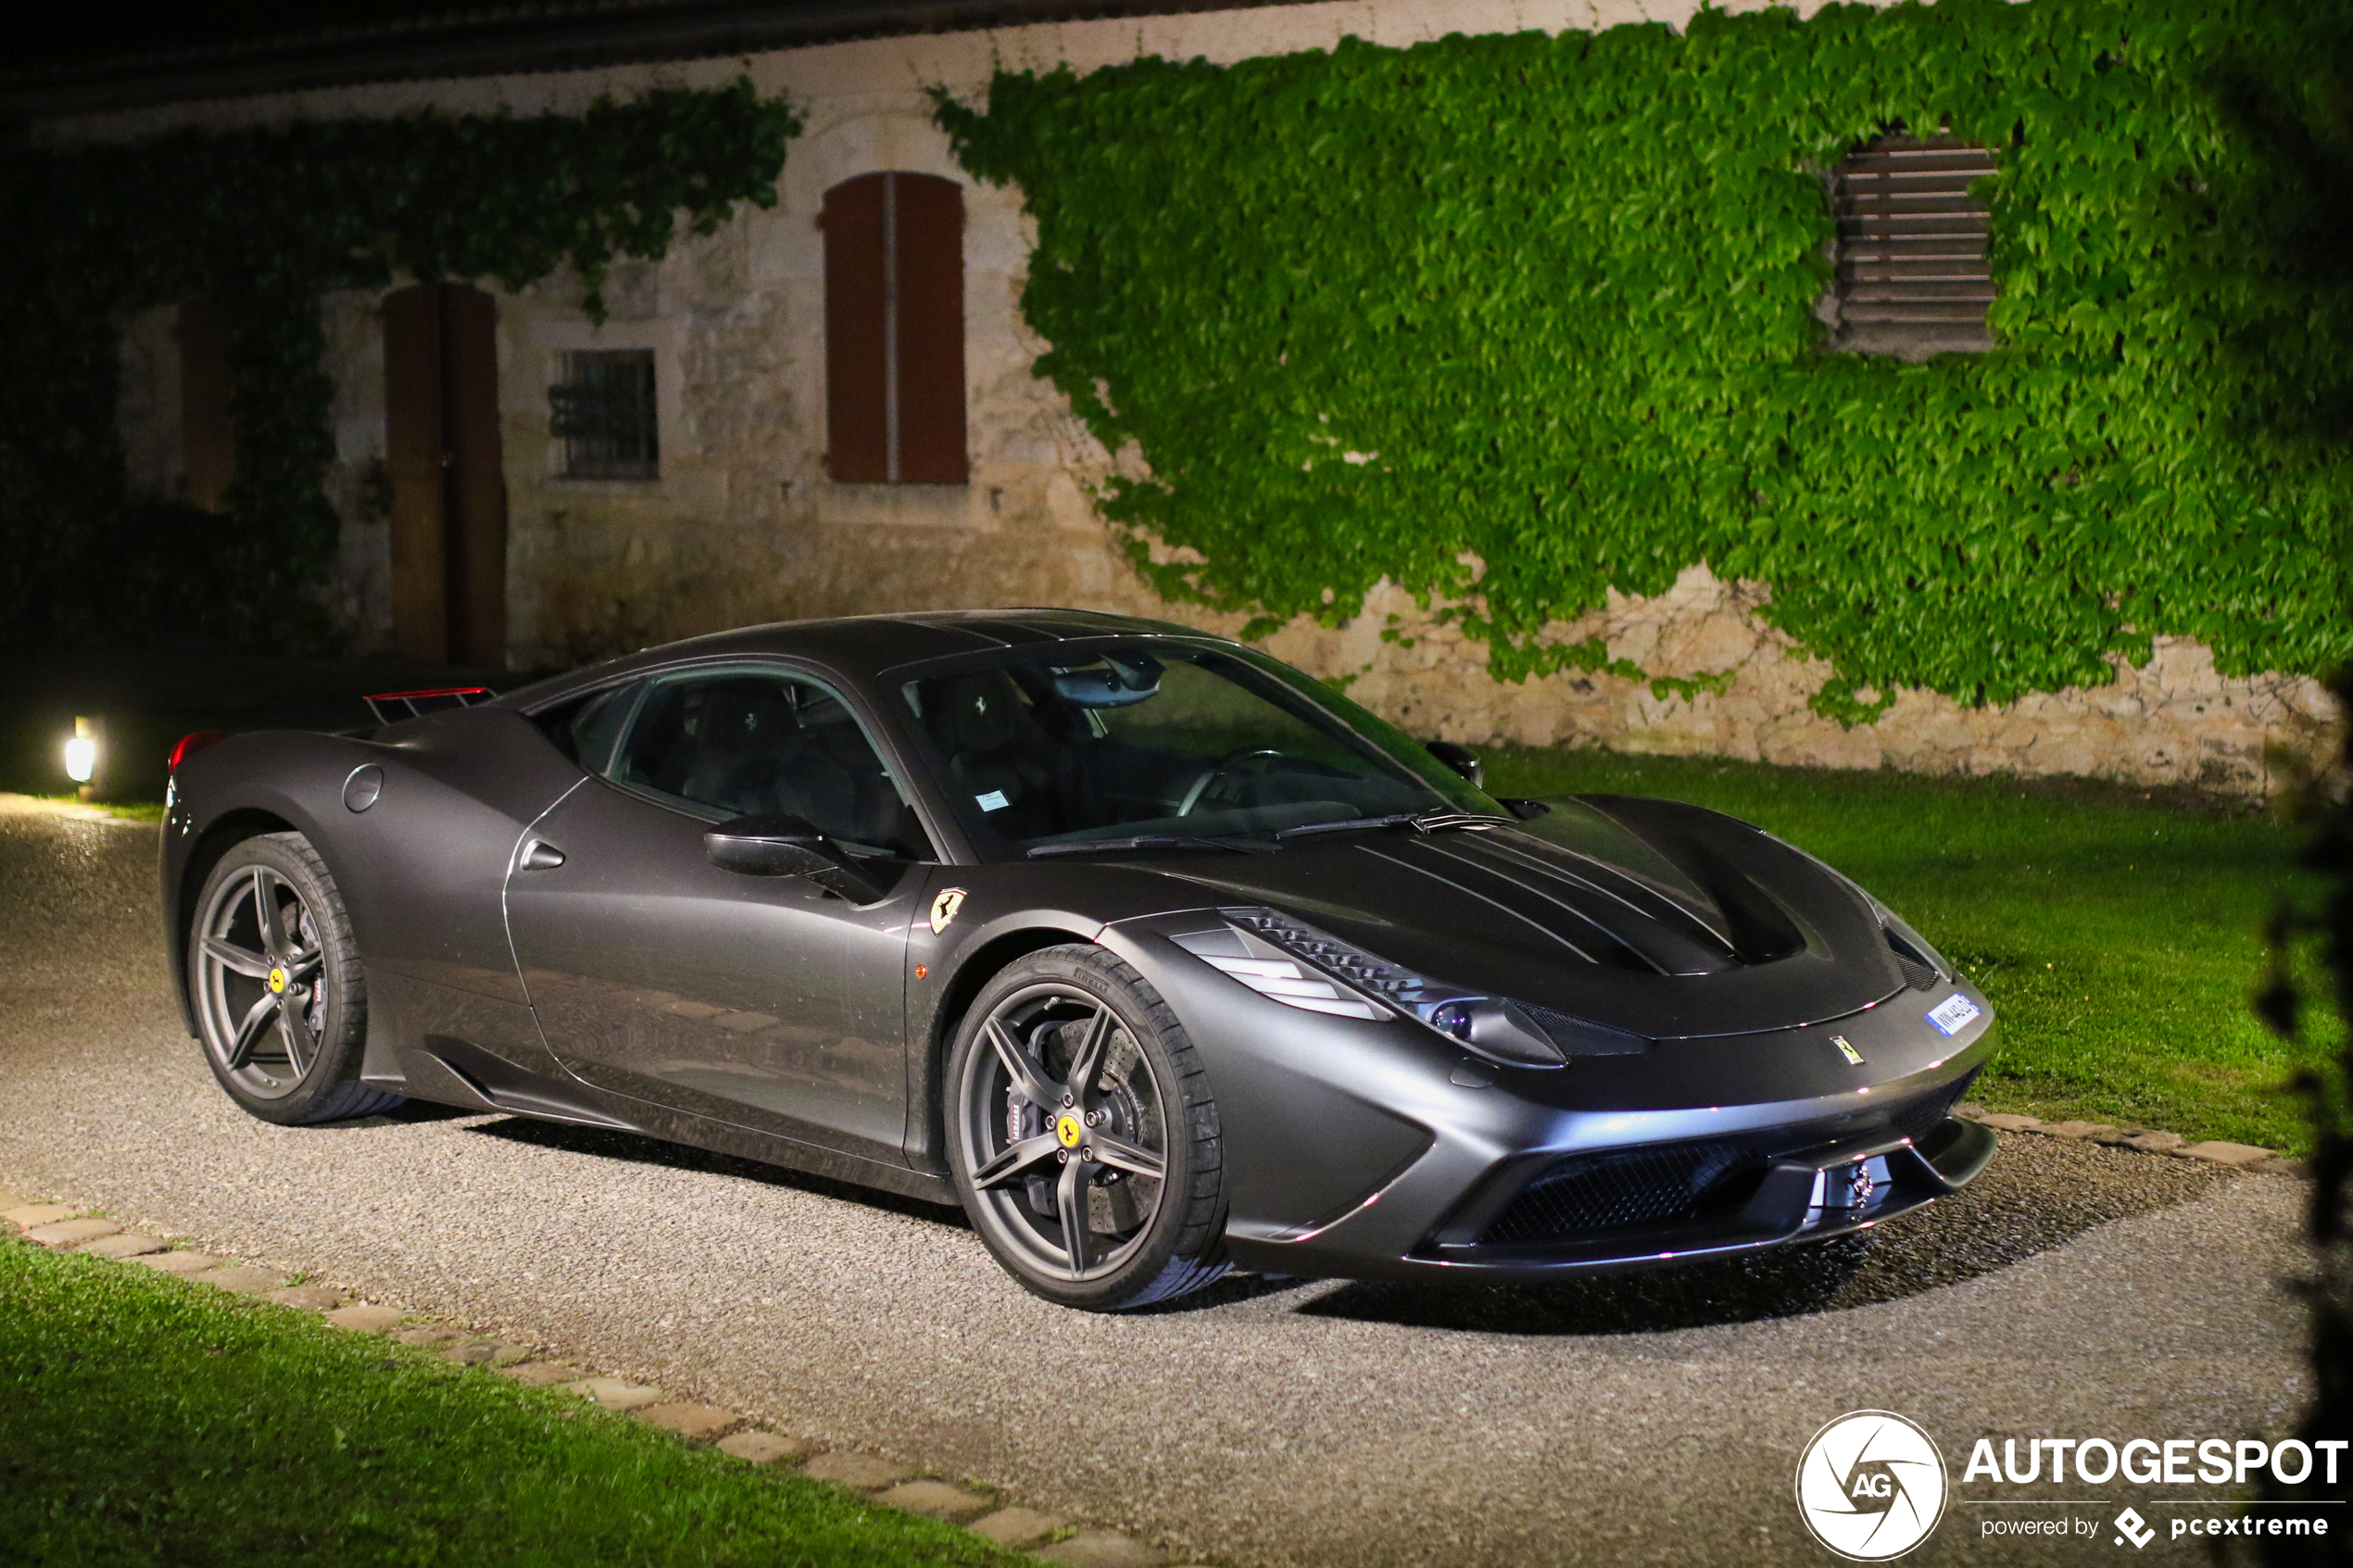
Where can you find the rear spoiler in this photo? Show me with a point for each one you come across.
(432, 700)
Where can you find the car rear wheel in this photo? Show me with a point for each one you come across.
(1082, 1135)
(281, 1003)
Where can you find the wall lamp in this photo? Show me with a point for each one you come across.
(83, 755)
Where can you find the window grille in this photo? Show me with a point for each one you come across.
(604, 414)
(1913, 276)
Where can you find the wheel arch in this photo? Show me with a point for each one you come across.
(222, 835)
(980, 966)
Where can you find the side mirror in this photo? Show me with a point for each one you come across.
(1462, 758)
(779, 845)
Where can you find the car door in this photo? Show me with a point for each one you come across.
(763, 1002)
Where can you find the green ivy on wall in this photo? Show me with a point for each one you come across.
(262, 222)
(1546, 304)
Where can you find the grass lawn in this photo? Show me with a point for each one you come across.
(148, 1420)
(2118, 934)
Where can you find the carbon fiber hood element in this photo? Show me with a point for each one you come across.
(1662, 919)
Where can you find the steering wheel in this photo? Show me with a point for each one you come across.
(1225, 764)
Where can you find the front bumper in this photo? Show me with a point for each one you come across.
(1809, 1192)
(1375, 1150)
(1804, 1194)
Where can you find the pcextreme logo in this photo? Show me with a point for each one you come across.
(1871, 1486)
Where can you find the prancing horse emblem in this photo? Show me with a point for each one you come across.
(944, 908)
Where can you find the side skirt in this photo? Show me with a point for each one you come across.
(450, 1072)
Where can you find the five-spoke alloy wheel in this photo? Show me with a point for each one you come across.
(1082, 1136)
(275, 978)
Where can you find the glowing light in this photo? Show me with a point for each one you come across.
(81, 752)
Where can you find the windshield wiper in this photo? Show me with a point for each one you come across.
(1152, 841)
(1420, 822)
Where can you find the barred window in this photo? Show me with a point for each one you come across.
(604, 414)
(1913, 276)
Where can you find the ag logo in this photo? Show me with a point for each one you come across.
(944, 908)
(1871, 1486)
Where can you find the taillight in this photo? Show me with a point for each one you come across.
(192, 743)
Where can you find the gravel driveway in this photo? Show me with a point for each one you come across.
(2075, 1290)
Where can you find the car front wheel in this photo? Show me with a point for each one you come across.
(1082, 1135)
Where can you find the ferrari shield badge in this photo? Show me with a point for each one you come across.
(944, 908)
(1853, 1058)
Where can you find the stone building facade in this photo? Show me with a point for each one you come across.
(743, 524)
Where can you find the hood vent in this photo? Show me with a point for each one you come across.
(1577, 1038)
(1918, 973)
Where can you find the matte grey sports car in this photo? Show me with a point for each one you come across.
(1154, 954)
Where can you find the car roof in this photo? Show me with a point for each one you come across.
(868, 643)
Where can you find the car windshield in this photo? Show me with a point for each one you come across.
(1047, 750)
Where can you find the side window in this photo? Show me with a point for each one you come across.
(746, 742)
(584, 728)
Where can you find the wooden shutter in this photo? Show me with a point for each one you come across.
(928, 252)
(895, 331)
(207, 430)
(857, 338)
(448, 478)
(475, 511)
(1913, 274)
(413, 452)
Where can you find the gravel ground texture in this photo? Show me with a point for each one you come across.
(2075, 1291)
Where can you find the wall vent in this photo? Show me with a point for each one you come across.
(1913, 277)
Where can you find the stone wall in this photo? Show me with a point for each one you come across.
(743, 526)
(2172, 721)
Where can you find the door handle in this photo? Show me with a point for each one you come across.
(541, 855)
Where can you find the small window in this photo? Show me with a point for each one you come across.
(584, 728)
(604, 415)
(895, 331)
(1913, 275)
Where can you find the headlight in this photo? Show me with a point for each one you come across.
(1291, 962)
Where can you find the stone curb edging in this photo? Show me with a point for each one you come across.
(2148, 1140)
(65, 1228)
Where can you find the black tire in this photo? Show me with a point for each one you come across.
(282, 1008)
(1023, 1164)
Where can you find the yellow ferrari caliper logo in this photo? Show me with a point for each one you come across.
(1067, 1130)
(277, 980)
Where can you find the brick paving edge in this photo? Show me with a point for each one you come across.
(2250, 1158)
(978, 1506)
